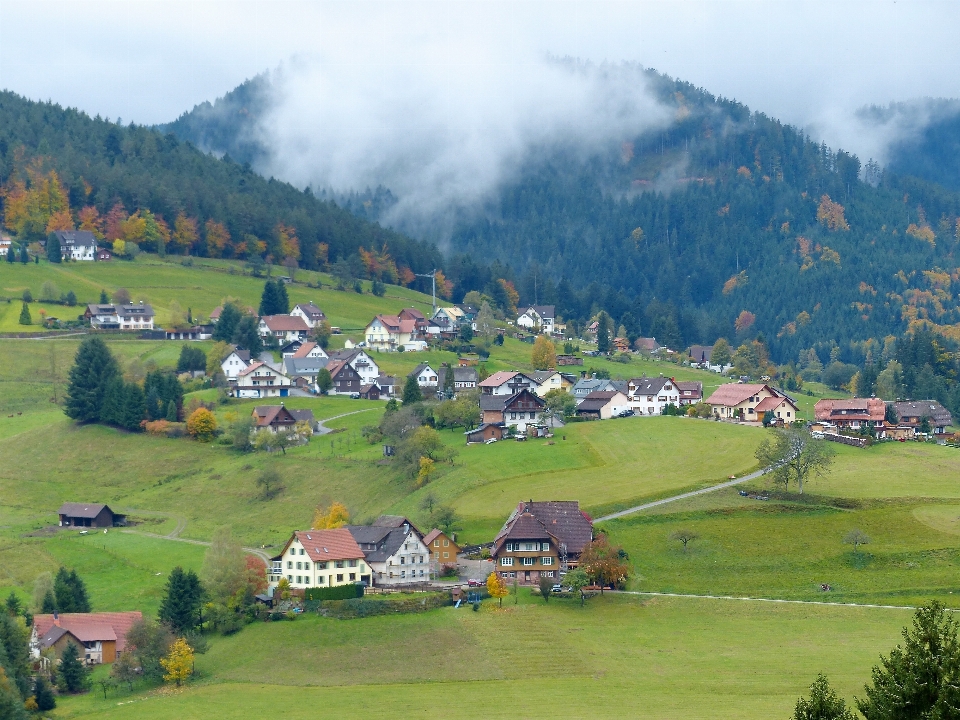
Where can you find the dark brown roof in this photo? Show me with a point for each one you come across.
(938, 414)
(525, 527)
(270, 414)
(565, 519)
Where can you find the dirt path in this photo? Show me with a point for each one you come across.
(178, 529)
(324, 430)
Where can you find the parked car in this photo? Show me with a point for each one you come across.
(626, 413)
(354, 396)
(474, 583)
(557, 588)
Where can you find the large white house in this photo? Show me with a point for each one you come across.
(426, 376)
(540, 318)
(77, 245)
(309, 313)
(507, 383)
(319, 558)
(259, 380)
(546, 380)
(389, 332)
(648, 396)
(394, 550)
(120, 317)
(234, 363)
(285, 328)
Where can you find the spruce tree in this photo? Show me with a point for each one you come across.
(93, 369)
(25, 318)
(81, 602)
(63, 589)
(226, 326)
(13, 604)
(134, 407)
(172, 411)
(247, 336)
(283, 300)
(104, 298)
(53, 248)
(49, 604)
(411, 391)
(155, 409)
(111, 407)
(24, 255)
(72, 674)
(180, 608)
(43, 694)
(11, 256)
(269, 299)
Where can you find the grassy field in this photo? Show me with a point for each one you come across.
(617, 657)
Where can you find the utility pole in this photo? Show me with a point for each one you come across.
(433, 277)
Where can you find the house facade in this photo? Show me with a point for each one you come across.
(346, 380)
(442, 546)
(79, 245)
(319, 558)
(395, 553)
(912, 412)
(89, 515)
(539, 318)
(100, 636)
(586, 385)
(284, 328)
(388, 332)
(310, 350)
(690, 391)
(260, 380)
(850, 414)
(309, 313)
(235, 363)
(136, 316)
(464, 378)
(545, 381)
(448, 319)
(738, 401)
(486, 432)
(273, 418)
(518, 410)
(506, 383)
(603, 405)
(426, 376)
(649, 396)
(359, 360)
(779, 410)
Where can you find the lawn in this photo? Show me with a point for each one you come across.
(617, 657)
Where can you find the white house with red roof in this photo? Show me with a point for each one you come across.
(319, 558)
(285, 328)
(507, 383)
(390, 332)
(310, 350)
(740, 401)
(259, 380)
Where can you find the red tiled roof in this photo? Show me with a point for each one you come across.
(305, 350)
(250, 368)
(336, 366)
(322, 545)
(431, 536)
(732, 394)
(850, 409)
(772, 403)
(89, 627)
(498, 378)
(285, 323)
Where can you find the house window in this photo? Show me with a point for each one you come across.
(289, 578)
(528, 561)
(353, 576)
(299, 579)
(446, 543)
(351, 563)
(546, 560)
(301, 551)
(530, 546)
(321, 566)
(298, 566)
(339, 577)
(548, 573)
(320, 579)
(289, 565)
(339, 563)
(436, 543)
(545, 546)
(403, 561)
(446, 554)
(506, 561)
(293, 551)
(403, 573)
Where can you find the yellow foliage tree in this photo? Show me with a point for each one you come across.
(60, 220)
(336, 516)
(426, 470)
(119, 248)
(497, 587)
(544, 354)
(133, 228)
(202, 424)
(184, 233)
(830, 214)
(289, 242)
(178, 663)
(922, 232)
(91, 221)
(218, 238)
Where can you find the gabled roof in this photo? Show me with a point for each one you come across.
(460, 374)
(731, 394)
(688, 385)
(412, 312)
(268, 414)
(324, 545)
(386, 539)
(453, 312)
(294, 366)
(502, 377)
(310, 310)
(416, 371)
(87, 626)
(431, 536)
(526, 527)
(284, 323)
(395, 325)
(937, 413)
(305, 349)
(772, 403)
(338, 366)
(867, 409)
(649, 386)
(243, 355)
(386, 381)
(303, 416)
(252, 367)
(544, 311)
(493, 403)
(541, 376)
(82, 238)
(563, 519)
(700, 353)
(82, 510)
(394, 521)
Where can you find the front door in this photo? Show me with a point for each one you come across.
(526, 576)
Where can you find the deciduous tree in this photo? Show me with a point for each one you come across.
(544, 354)
(794, 456)
(224, 570)
(497, 587)
(178, 663)
(202, 424)
(684, 536)
(604, 563)
(856, 537)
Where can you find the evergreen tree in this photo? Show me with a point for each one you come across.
(25, 318)
(15, 653)
(71, 298)
(324, 381)
(93, 369)
(104, 298)
(134, 407)
(172, 411)
(24, 255)
(603, 332)
(80, 600)
(49, 604)
(283, 300)
(269, 299)
(43, 694)
(226, 326)
(72, 675)
(13, 604)
(824, 704)
(53, 248)
(247, 336)
(111, 410)
(63, 589)
(11, 255)
(180, 608)
(411, 391)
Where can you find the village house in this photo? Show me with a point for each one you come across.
(310, 350)
(518, 410)
(278, 417)
(119, 317)
(346, 380)
(426, 377)
(486, 432)
(197, 332)
(234, 363)
(505, 383)
(912, 413)
(545, 381)
(388, 333)
(100, 636)
(394, 550)
(260, 380)
(104, 255)
(539, 318)
(319, 558)
(649, 396)
(309, 313)
(89, 515)
(647, 345)
(420, 321)
(464, 378)
(442, 546)
(541, 538)
(80, 245)
(700, 355)
(738, 401)
(586, 385)
(370, 391)
(303, 371)
(779, 410)
(569, 360)
(283, 328)
(850, 414)
(603, 405)
(387, 385)
(359, 360)
(448, 319)
(691, 391)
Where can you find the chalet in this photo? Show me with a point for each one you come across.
(738, 401)
(541, 538)
(310, 350)
(850, 414)
(284, 328)
(779, 410)
(518, 410)
(647, 345)
(649, 396)
(690, 391)
(77, 244)
(394, 550)
(699, 355)
(389, 332)
(539, 318)
(104, 255)
(260, 380)
(309, 313)
(545, 381)
(101, 636)
(387, 385)
(913, 412)
(290, 348)
(234, 363)
(426, 376)
(464, 378)
(359, 360)
(448, 319)
(603, 405)
(89, 515)
(505, 383)
(346, 380)
(443, 547)
(486, 432)
(119, 317)
(273, 418)
(319, 558)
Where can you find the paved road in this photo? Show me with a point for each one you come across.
(769, 600)
(683, 496)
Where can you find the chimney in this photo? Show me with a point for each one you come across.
(56, 618)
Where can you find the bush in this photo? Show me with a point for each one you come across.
(372, 606)
(337, 592)
(202, 424)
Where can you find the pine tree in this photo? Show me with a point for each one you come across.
(24, 255)
(180, 608)
(53, 248)
(93, 369)
(63, 589)
(25, 318)
(134, 407)
(81, 602)
(268, 299)
(411, 391)
(104, 298)
(283, 300)
(247, 336)
(172, 411)
(72, 675)
(11, 255)
(13, 604)
(111, 408)
(43, 694)
(603, 332)
(49, 604)
(226, 326)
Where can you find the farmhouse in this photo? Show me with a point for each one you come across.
(538, 317)
(426, 376)
(389, 332)
(319, 558)
(309, 313)
(101, 635)
(235, 362)
(647, 345)
(359, 360)
(852, 414)
(545, 381)
(119, 317)
(913, 412)
(586, 385)
(89, 515)
(310, 350)
(273, 418)
(260, 380)
(506, 383)
(443, 548)
(649, 396)
(346, 380)
(517, 410)
(464, 378)
(603, 405)
(448, 319)
(541, 538)
(285, 328)
(691, 391)
(77, 244)
(700, 355)
(394, 550)
(738, 401)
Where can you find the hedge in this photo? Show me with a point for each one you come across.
(337, 592)
(370, 606)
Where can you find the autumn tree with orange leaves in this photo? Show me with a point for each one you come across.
(217, 237)
(830, 214)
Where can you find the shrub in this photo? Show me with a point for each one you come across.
(202, 424)
(337, 592)
(157, 427)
